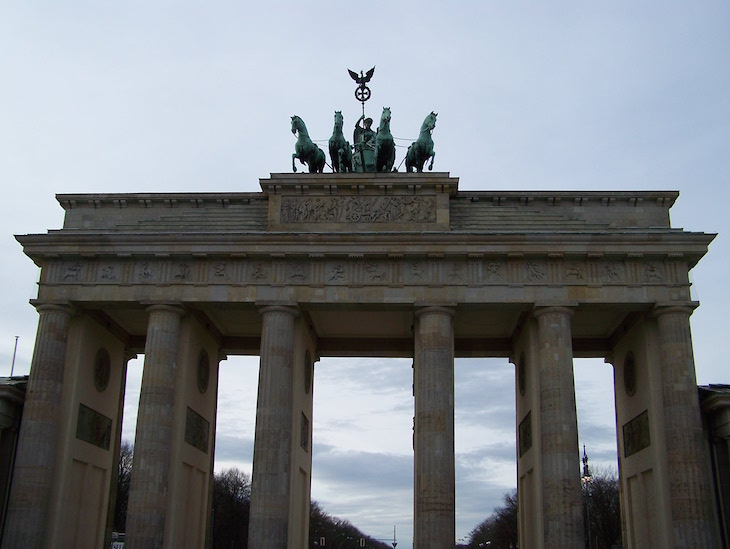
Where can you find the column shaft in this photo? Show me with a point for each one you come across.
(559, 457)
(153, 438)
(690, 489)
(435, 508)
(34, 467)
(270, 486)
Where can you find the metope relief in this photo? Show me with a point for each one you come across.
(297, 272)
(358, 209)
(376, 272)
(145, 272)
(336, 273)
(653, 273)
(535, 272)
(72, 272)
(611, 272)
(109, 273)
(219, 271)
(574, 272)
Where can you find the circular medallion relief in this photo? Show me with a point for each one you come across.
(203, 371)
(629, 374)
(102, 369)
(307, 372)
(521, 382)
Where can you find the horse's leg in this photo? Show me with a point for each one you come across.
(433, 156)
(293, 167)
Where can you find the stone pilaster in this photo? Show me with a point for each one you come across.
(562, 504)
(26, 522)
(435, 508)
(270, 486)
(688, 463)
(153, 439)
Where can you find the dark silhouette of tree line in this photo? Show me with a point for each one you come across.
(231, 505)
(499, 530)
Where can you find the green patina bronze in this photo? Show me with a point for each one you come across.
(340, 150)
(307, 152)
(363, 159)
(384, 144)
(422, 149)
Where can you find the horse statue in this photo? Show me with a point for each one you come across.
(422, 148)
(306, 151)
(384, 144)
(340, 151)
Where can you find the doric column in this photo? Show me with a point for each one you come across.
(153, 439)
(270, 486)
(559, 456)
(25, 525)
(435, 508)
(690, 491)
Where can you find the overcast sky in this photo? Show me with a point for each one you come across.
(197, 96)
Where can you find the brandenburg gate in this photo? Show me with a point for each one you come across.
(364, 264)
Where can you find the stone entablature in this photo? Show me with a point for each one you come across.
(370, 203)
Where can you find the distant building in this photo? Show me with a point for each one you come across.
(12, 396)
(715, 403)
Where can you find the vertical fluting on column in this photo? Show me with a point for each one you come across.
(153, 438)
(435, 491)
(559, 456)
(35, 458)
(690, 491)
(270, 485)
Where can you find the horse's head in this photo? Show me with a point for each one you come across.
(338, 119)
(385, 118)
(430, 121)
(297, 124)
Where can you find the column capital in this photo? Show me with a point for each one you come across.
(434, 309)
(685, 308)
(166, 307)
(289, 309)
(540, 310)
(45, 307)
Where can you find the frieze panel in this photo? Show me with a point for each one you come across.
(357, 271)
(358, 209)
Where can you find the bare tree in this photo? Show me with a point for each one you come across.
(231, 504)
(499, 530)
(126, 454)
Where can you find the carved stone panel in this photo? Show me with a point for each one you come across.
(358, 209)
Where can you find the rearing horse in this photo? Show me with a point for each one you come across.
(384, 144)
(421, 149)
(340, 151)
(306, 151)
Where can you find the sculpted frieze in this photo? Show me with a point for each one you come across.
(358, 209)
(356, 271)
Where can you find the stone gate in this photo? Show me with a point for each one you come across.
(384, 265)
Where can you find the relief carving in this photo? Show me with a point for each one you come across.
(73, 272)
(574, 271)
(145, 271)
(494, 271)
(358, 209)
(296, 271)
(109, 272)
(652, 273)
(219, 270)
(455, 273)
(260, 272)
(376, 273)
(183, 271)
(417, 271)
(336, 273)
(611, 272)
(535, 271)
